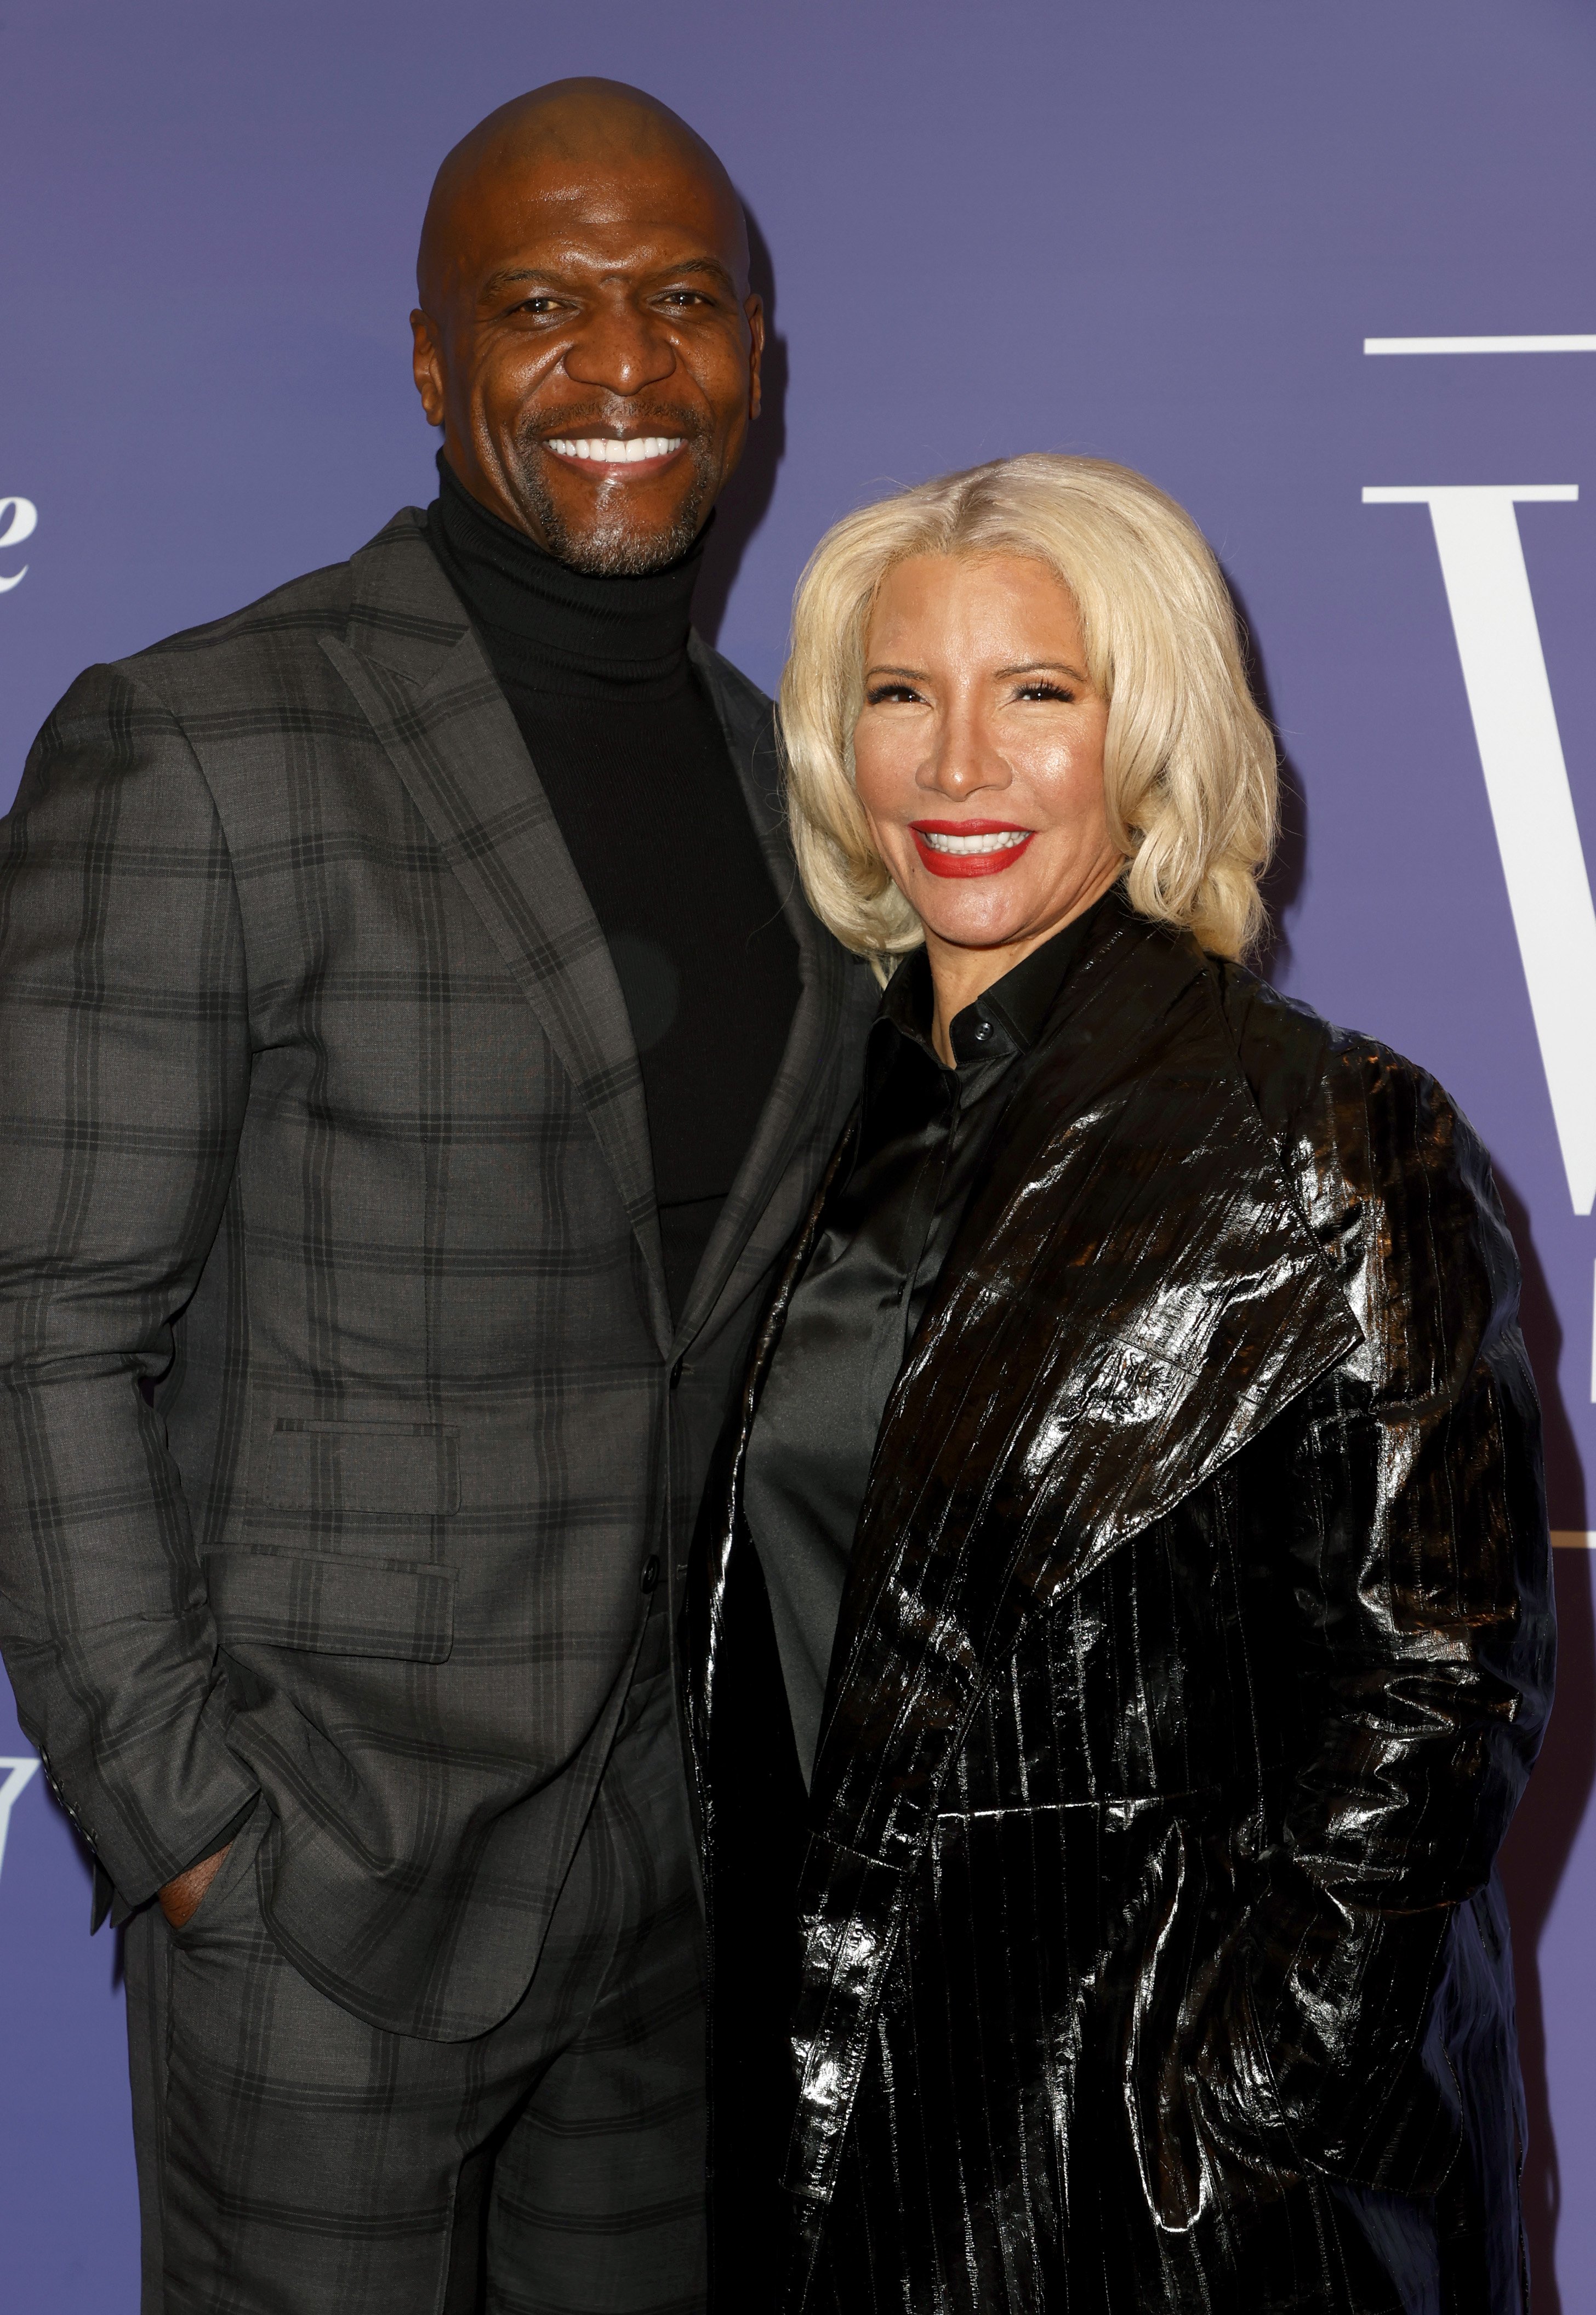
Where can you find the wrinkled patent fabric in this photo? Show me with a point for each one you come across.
(1140, 1948)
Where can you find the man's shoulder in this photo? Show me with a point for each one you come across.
(260, 643)
(750, 711)
(310, 604)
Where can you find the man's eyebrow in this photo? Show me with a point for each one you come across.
(510, 277)
(710, 266)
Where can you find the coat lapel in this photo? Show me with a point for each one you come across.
(414, 664)
(1137, 1204)
(815, 1042)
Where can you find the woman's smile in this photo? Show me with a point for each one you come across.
(968, 848)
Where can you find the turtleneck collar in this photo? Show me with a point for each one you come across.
(549, 625)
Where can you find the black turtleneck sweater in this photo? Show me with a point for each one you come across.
(636, 766)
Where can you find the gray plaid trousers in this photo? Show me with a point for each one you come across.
(295, 2161)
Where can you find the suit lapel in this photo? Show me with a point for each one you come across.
(731, 1263)
(1132, 1296)
(414, 664)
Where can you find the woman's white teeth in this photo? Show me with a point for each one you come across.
(606, 451)
(1002, 839)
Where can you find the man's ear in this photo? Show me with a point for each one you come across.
(427, 366)
(755, 310)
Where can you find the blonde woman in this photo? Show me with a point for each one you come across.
(1126, 1630)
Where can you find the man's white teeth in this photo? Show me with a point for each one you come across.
(605, 452)
(1002, 839)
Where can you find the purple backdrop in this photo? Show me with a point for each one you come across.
(1153, 231)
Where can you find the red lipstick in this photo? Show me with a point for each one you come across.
(969, 864)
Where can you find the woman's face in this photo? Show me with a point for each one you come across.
(978, 751)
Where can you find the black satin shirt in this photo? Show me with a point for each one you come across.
(889, 1224)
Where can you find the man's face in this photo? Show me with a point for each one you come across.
(594, 365)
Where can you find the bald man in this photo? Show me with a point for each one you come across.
(416, 1053)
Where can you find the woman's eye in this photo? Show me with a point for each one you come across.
(885, 693)
(1044, 691)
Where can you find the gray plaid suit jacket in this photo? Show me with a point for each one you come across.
(343, 1408)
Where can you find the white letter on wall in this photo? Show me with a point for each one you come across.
(1515, 726)
(16, 1776)
(19, 519)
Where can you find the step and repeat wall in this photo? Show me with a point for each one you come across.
(1324, 274)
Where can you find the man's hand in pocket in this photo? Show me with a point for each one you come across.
(178, 1899)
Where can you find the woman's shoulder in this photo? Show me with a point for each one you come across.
(1357, 1124)
(1392, 1179)
(1296, 1061)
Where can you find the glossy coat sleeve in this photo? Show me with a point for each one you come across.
(1410, 1496)
(124, 1071)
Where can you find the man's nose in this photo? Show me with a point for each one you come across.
(619, 350)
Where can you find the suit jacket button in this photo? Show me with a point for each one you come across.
(650, 1571)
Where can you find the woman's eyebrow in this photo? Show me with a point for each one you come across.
(1042, 667)
(915, 674)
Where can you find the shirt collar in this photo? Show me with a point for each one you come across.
(538, 612)
(1005, 1019)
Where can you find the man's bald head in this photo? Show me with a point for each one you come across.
(586, 337)
(566, 129)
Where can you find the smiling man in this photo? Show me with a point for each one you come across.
(587, 337)
(416, 1053)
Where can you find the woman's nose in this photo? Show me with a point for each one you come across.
(964, 760)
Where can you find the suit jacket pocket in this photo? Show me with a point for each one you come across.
(402, 1608)
(390, 1470)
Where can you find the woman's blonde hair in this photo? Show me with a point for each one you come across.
(1189, 763)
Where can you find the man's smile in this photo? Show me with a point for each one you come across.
(649, 451)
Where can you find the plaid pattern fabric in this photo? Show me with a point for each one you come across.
(296, 2160)
(342, 1407)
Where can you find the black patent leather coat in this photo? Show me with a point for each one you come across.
(1139, 1947)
